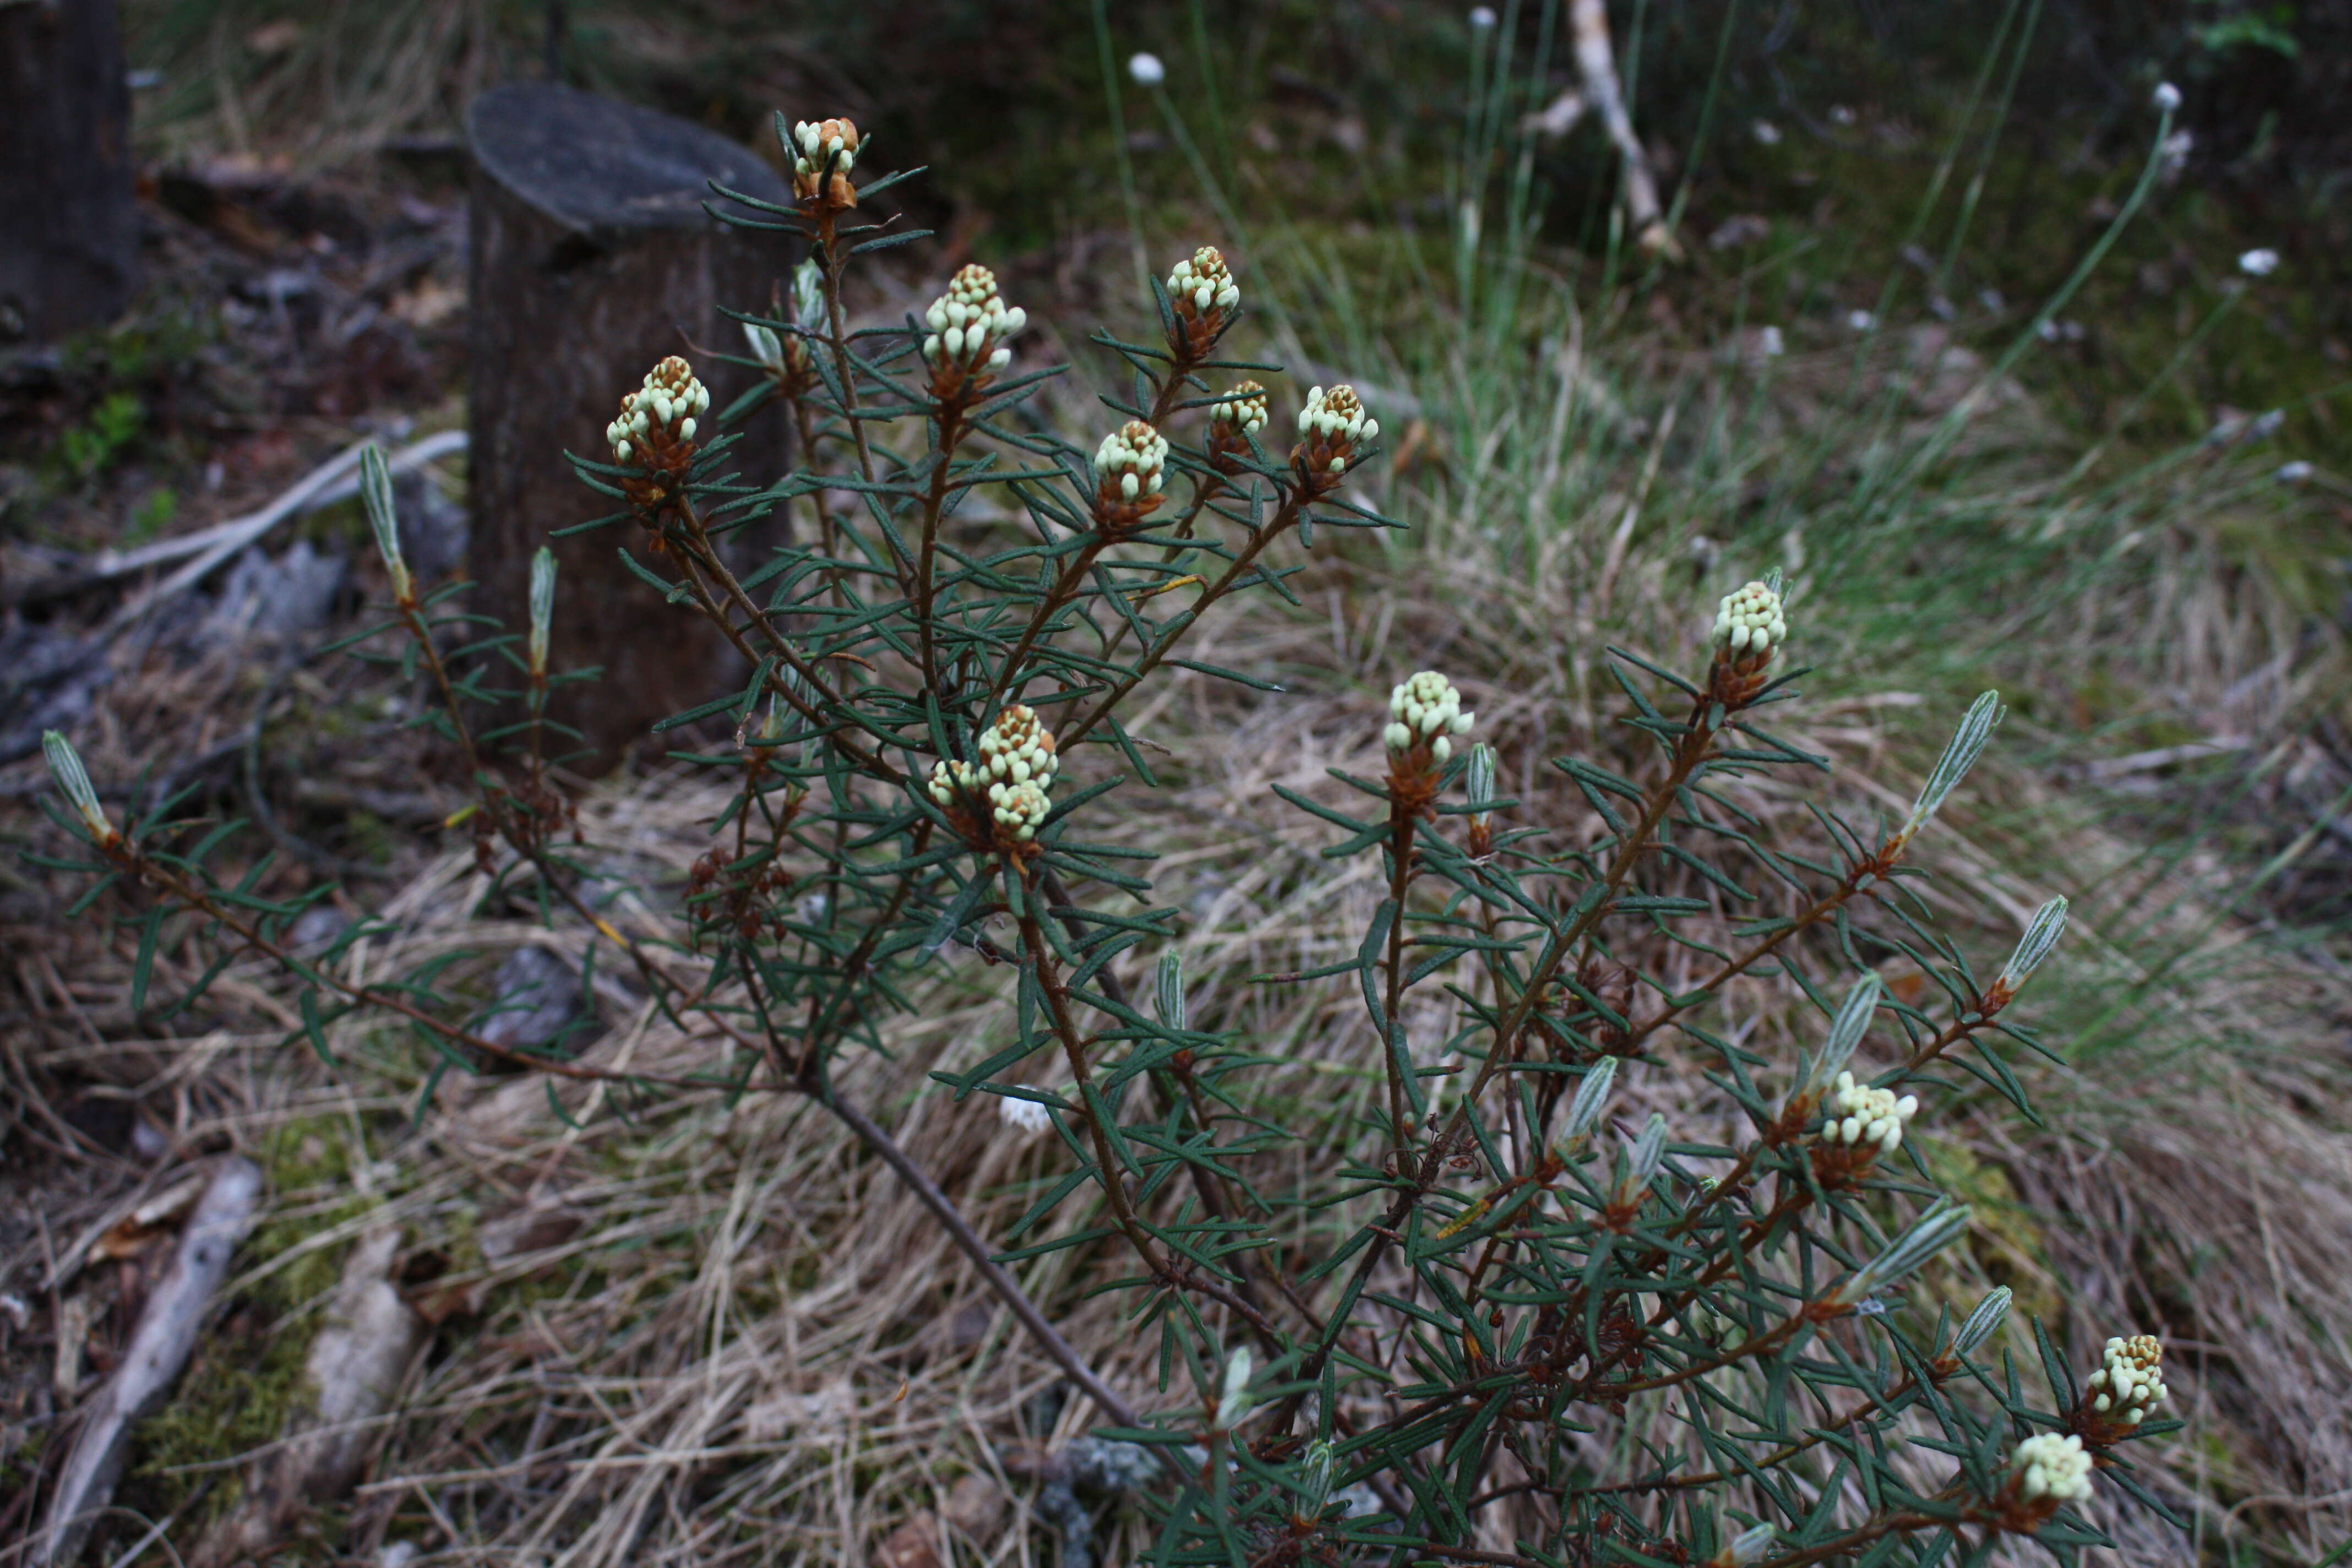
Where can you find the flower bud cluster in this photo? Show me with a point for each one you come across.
(814, 141)
(1202, 286)
(1128, 464)
(1749, 623)
(1242, 410)
(1333, 424)
(2131, 1382)
(2050, 1468)
(1859, 1114)
(1427, 711)
(1016, 766)
(659, 414)
(968, 322)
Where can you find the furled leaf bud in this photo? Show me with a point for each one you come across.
(1749, 1545)
(73, 782)
(1846, 1028)
(967, 324)
(1591, 1098)
(1649, 1152)
(2049, 924)
(766, 347)
(808, 294)
(1169, 997)
(542, 607)
(1981, 1323)
(2050, 1468)
(1960, 754)
(1317, 1472)
(1232, 1399)
(375, 494)
(1929, 1235)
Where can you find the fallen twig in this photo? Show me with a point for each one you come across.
(158, 1349)
(332, 480)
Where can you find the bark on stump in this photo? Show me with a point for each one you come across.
(69, 245)
(592, 257)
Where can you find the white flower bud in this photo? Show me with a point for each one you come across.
(1147, 69)
(1029, 1115)
(1749, 620)
(2167, 97)
(1242, 410)
(1426, 708)
(1130, 460)
(2052, 1467)
(970, 325)
(1859, 1114)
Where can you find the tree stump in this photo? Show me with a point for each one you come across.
(70, 246)
(593, 257)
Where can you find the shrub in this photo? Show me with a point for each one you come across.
(1481, 1303)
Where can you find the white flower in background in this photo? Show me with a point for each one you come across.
(1146, 68)
(2292, 473)
(1242, 411)
(665, 406)
(1771, 344)
(1750, 622)
(1766, 133)
(1426, 710)
(1029, 1115)
(2051, 1467)
(1130, 461)
(2131, 1382)
(969, 322)
(1859, 1114)
(1861, 320)
(2167, 97)
(1482, 16)
(2259, 263)
(1203, 281)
